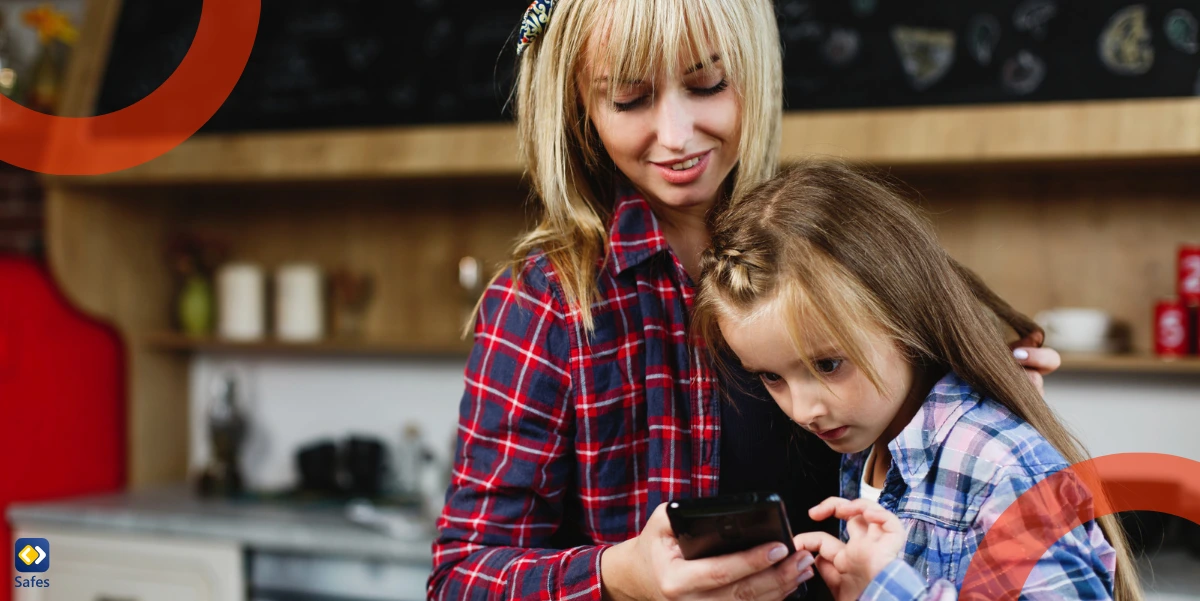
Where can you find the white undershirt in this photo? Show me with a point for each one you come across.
(866, 491)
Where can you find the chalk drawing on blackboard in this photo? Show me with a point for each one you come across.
(925, 54)
(1033, 17)
(983, 34)
(1023, 73)
(841, 47)
(863, 8)
(798, 24)
(1180, 28)
(1125, 42)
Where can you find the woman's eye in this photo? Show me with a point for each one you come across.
(629, 105)
(827, 367)
(712, 90)
(769, 378)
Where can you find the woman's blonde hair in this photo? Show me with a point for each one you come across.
(842, 251)
(565, 161)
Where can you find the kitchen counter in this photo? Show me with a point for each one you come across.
(259, 525)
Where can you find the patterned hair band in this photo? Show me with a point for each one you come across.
(534, 22)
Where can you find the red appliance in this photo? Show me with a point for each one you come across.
(62, 392)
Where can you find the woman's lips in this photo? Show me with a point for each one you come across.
(833, 434)
(684, 176)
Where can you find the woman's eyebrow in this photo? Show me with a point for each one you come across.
(603, 80)
(714, 59)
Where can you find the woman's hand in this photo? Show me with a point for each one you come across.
(876, 539)
(651, 567)
(1037, 361)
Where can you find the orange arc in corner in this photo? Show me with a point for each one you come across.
(154, 125)
(1046, 512)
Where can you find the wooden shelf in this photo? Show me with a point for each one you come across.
(444, 151)
(1129, 364)
(1054, 133)
(170, 341)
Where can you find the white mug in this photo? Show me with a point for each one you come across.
(1076, 330)
(240, 302)
(299, 303)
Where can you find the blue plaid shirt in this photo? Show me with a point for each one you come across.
(955, 468)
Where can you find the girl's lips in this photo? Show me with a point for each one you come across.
(684, 176)
(833, 434)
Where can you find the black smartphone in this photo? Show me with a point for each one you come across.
(711, 526)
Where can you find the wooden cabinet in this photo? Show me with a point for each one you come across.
(106, 567)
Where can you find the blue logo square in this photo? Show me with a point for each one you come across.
(31, 555)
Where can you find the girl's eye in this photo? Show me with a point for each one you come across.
(770, 379)
(827, 367)
(712, 91)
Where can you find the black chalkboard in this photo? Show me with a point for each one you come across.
(880, 53)
(347, 63)
(334, 63)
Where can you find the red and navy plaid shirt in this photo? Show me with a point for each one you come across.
(568, 440)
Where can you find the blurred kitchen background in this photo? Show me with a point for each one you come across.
(233, 373)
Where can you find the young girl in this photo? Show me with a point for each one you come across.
(834, 290)
(586, 408)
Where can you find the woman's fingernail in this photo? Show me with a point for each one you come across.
(805, 562)
(1021, 354)
(805, 576)
(776, 553)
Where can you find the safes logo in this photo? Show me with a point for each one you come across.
(32, 555)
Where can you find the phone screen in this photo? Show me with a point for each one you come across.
(720, 525)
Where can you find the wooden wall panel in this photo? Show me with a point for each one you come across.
(106, 251)
(1105, 239)
(410, 238)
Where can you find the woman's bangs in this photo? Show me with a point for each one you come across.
(637, 42)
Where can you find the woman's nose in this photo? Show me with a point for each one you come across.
(675, 122)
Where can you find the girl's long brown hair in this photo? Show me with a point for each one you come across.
(842, 249)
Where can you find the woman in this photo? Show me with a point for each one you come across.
(585, 406)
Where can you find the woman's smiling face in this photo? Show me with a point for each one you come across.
(674, 136)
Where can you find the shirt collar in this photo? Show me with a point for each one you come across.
(915, 450)
(634, 235)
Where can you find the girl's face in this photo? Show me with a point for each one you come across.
(843, 408)
(675, 137)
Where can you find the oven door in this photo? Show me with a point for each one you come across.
(299, 577)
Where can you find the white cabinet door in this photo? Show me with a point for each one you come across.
(106, 567)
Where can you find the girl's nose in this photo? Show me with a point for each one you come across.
(675, 122)
(807, 407)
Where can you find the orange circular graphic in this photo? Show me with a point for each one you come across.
(154, 125)
(1055, 506)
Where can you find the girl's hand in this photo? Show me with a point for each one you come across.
(876, 539)
(651, 567)
(1037, 362)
